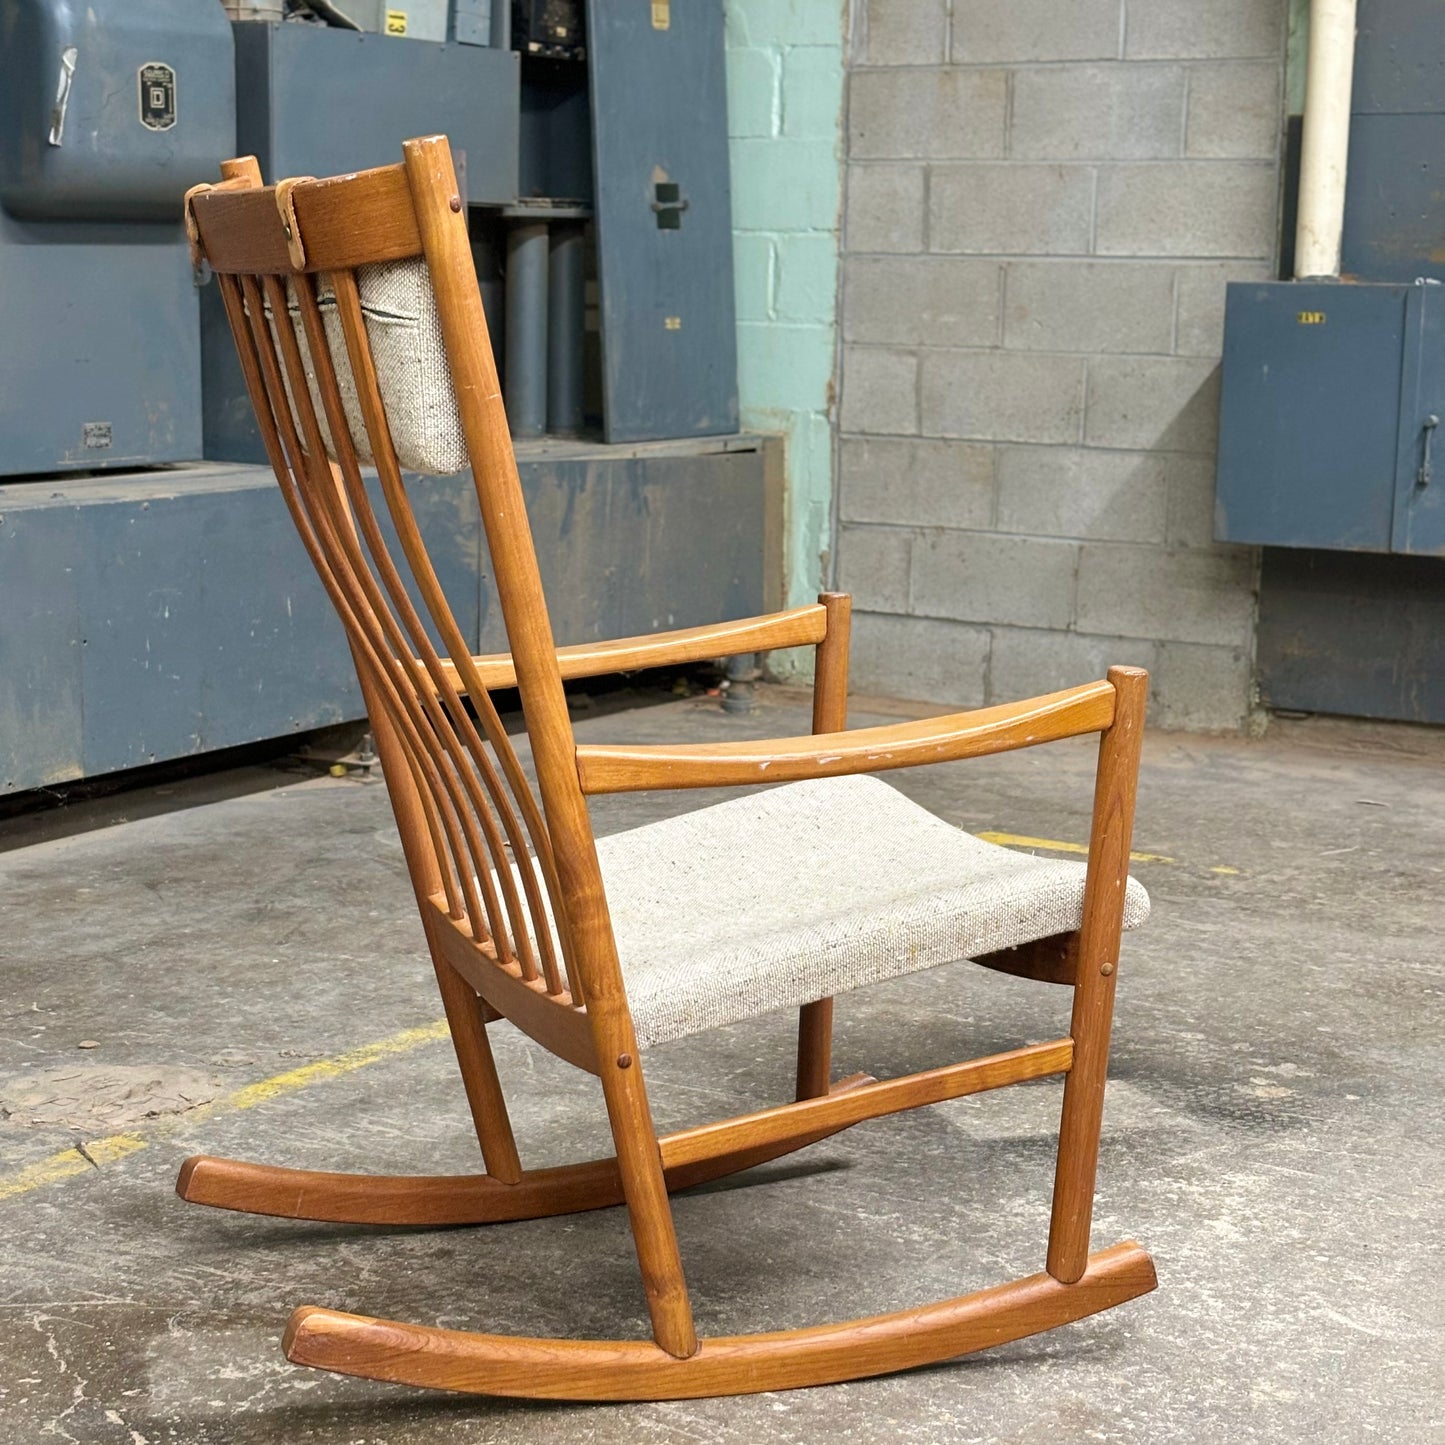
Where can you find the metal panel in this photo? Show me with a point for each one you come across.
(1399, 57)
(194, 642)
(98, 318)
(642, 544)
(169, 614)
(659, 119)
(108, 372)
(295, 81)
(411, 19)
(110, 110)
(1420, 470)
(471, 22)
(1352, 634)
(41, 639)
(1309, 415)
(1395, 198)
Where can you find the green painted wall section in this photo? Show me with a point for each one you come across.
(785, 105)
(1296, 57)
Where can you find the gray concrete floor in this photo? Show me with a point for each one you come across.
(1273, 1130)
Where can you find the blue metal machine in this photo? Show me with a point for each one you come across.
(108, 111)
(1332, 401)
(156, 610)
(1333, 395)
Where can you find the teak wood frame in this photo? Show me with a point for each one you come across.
(465, 812)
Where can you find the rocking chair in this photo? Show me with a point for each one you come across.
(355, 309)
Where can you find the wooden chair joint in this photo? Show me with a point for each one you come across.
(1046, 960)
(286, 205)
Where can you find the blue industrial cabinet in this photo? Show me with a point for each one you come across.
(1395, 202)
(108, 111)
(664, 220)
(1331, 397)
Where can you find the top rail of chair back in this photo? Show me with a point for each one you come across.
(346, 221)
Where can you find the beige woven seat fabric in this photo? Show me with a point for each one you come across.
(412, 372)
(778, 898)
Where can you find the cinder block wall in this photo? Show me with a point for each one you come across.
(1044, 200)
(785, 104)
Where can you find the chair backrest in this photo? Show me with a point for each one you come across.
(356, 313)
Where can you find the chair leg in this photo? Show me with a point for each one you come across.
(1093, 1014)
(1079, 1128)
(479, 1073)
(830, 715)
(815, 1048)
(644, 1188)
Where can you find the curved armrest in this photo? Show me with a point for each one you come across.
(796, 627)
(618, 768)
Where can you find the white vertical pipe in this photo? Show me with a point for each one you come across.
(1329, 80)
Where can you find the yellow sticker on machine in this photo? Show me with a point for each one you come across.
(1312, 318)
(662, 14)
(396, 22)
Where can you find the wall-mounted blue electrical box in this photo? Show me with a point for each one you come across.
(1332, 398)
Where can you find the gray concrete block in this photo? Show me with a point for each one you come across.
(921, 300)
(915, 33)
(1199, 327)
(1191, 505)
(883, 209)
(1197, 688)
(1191, 502)
(922, 483)
(1187, 208)
(1018, 210)
(880, 391)
(1024, 663)
(1089, 306)
(1174, 596)
(1072, 492)
(1106, 112)
(1214, 29)
(984, 577)
(1001, 396)
(918, 113)
(1235, 110)
(873, 564)
(1008, 30)
(918, 658)
(1148, 403)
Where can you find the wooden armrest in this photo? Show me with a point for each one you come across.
(795, 628)
(618, 768)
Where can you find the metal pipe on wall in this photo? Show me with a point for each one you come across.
(566, 315)
(1325, 147)
(526, 380)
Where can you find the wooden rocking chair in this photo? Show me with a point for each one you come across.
(354, 306)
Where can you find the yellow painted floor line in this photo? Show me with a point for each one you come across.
(93, 1153)
(1056, 845)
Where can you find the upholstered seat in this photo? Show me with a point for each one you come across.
(811, 889)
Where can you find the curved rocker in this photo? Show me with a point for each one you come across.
(730, 1365)
(440, 1199)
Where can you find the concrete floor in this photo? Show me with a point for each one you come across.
(1273, 1131)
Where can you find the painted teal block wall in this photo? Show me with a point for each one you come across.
(785, 105)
